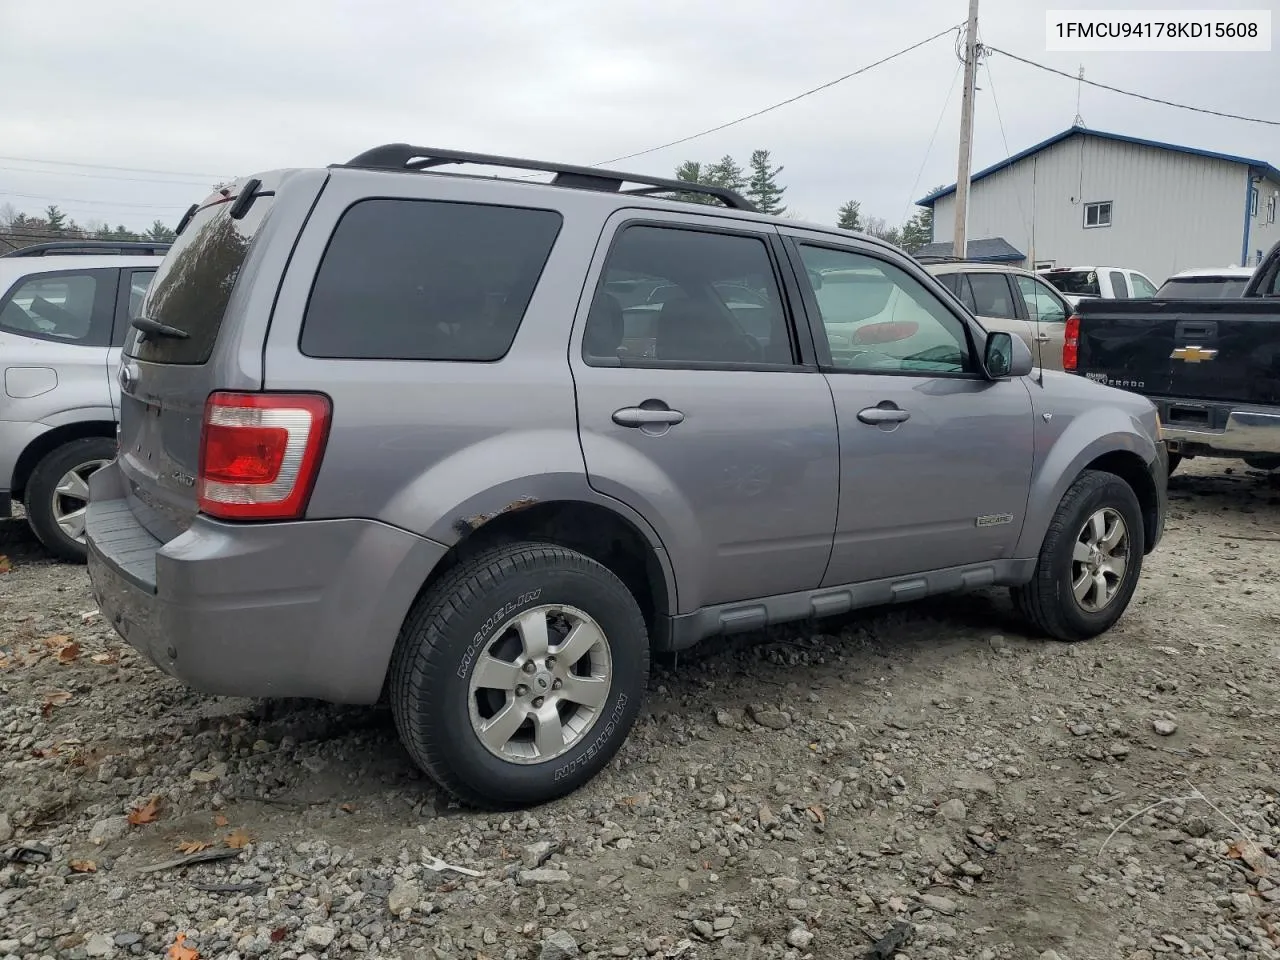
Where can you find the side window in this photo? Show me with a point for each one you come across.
(139, 280)
(715, 300)
(133, 290)
(1042, 305)
(991, 296)
(1119, 288)
(426, 280)
(57, 307)
(1142, 287)
(879, 319)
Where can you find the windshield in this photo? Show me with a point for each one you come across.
(193, 285)
(1083, 283)
(1203, 288)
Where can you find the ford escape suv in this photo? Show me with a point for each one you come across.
(388, 431)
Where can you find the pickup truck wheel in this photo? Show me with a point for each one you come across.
(1090, 560)
(517, 677)
(1263, 463)
(58, 492)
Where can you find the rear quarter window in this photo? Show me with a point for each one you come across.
(426, 280)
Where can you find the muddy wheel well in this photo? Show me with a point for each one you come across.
(47, 442)
(592, 530)
(1130, 468)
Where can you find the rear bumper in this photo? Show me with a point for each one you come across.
(1211, 428)
(303, 609)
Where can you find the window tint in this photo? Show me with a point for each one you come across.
(713, 298)
(138, 283)
(1042, 305)
(52, 307)
(1142, 287)
(193, 284)
(1202, 288)
(1080, 282)
(879, 319)
(991, 296)
(1119, 289)
(426, 280)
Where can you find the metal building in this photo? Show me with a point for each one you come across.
(1085, 197)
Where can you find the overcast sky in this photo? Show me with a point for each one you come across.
(239, 87)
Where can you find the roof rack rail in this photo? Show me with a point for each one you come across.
(938, 258)
(404, 156)
(90, 247)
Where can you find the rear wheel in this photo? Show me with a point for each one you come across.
(517, 677)
(1090, 560)
(57, 494)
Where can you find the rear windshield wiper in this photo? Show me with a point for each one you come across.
(156, 328)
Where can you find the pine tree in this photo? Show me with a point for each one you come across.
(691, 172)
(726, 173)
(850, 216)
(160, 232)
(763, 189)
(56, 218)
(917, 231)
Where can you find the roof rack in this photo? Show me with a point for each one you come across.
(89, 247)
(938, 258)
(403, 156)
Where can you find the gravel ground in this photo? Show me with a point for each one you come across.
(929, 774)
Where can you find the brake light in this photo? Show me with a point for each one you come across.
(1071, 343)
(259, 454)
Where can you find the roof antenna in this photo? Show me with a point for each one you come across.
(1079, 120)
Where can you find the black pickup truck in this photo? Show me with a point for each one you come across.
(1212, 367)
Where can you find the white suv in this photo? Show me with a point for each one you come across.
(1103, 283)
(64, 311)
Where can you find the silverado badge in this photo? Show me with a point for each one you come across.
(1193, 354)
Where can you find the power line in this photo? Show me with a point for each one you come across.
(102, 166)
(1007, 152)
(105, 176)
(929, 149)
(1130, 93)
(101, 203)
(781, 103)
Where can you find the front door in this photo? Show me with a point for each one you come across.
(694, 407)
(935, 459)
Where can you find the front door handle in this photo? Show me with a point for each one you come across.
(883, 415)
(1043, 338)
(641, 417)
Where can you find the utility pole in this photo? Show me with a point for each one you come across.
(959, 247)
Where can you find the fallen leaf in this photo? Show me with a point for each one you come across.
(818, 813)
(69, 653)
(83, 866)
(1235, 850)
(220, 821)
(347, 808)
(629, 801)
(147, 813)
(238, 839)
(106, 659)
(4, 564)
(4, 663)
(192, 846)
(57, 641)
(178, 952)
(278, 934)
(54, 698)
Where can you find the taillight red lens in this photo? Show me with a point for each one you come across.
(1071, 343)
(259, 454)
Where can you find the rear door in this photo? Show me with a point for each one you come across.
(1119, 285)
(1048, 317)
(713, 427)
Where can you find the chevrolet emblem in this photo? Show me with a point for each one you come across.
(1193, 354)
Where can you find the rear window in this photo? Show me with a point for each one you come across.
(1203, 288)
(426, 280)
(193, 285)
(1083, 283)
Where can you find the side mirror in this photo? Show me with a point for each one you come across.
(1006, 356)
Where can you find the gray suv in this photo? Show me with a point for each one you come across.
(393, 432)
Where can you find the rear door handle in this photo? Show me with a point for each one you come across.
(1043, 338)
(883, 415)
(640, 417)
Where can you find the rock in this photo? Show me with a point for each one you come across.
(939, 904)
(405, 895)
(717, 801)
(800, 938)
(1119, 750)
(545, 876)
(1243, 903)
(971, 869)
(769, 717)
(112, 828)
(953, 809)
(767, 817)
(215, 772)
(1080, 729)
(99, 945)
(318, 936)
(1050, 955)
(1165, 727)
(722, 923)
(726, 718)
(6, 832)
(128, 939)
(559, 946)
(536, 854)
(703, 929)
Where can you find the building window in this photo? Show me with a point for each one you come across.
(1271, 210)
(1253, 201)
(1044, 265)
(1097, 214)
(1257, 258)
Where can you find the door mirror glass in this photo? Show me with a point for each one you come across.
(1006, 356)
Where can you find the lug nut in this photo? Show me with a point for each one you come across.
(537, 701)
(529, 667)
(556, 685)
(551, 662)
(521, 690)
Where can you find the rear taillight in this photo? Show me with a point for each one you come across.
(259, 454)
(1071, 343)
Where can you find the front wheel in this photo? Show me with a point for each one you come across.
(57, 494)
(1090, 560)
(517, 677)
